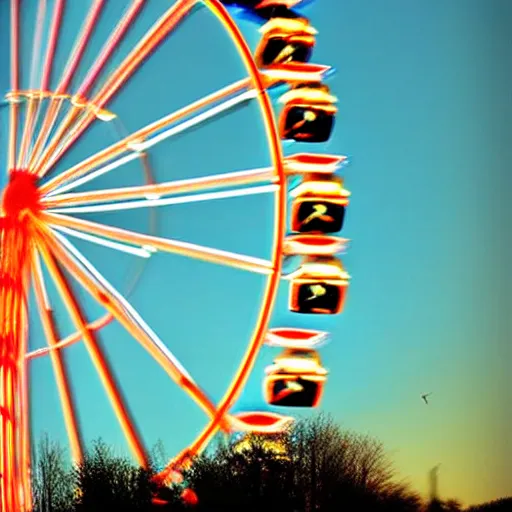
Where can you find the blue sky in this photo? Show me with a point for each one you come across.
(424, 114)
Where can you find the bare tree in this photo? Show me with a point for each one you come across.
(314, 466)
(499, 505)
(453, 505)
(158, 455)
(108, 482)
(332, 465)
(51, 478)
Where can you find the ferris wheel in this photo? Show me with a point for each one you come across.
(53, 212)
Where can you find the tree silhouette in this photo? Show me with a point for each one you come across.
(158, 455)
(233, 478)
(108, 482)
(341, 468)
(452, 505)
(313, 466)
(501, 505)
(52, 481)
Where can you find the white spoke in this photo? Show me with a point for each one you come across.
(140, 147)
(142, 253)
(249, 263)
(194, 121)
(155, 191)
(67, 180)
(59, 366)
(72, 338)
(41, 280)
(34, 103)
(90, 270)
(115, 81)
(95, 174)
(148, 203)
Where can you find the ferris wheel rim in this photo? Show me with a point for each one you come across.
(266, 302)
(280, 202)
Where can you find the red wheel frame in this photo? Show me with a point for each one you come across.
(32, 227)
(27, 225)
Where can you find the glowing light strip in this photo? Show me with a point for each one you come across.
(200, 118)
(80, 45)
(123, 145)
(148, 203)
(56, 18)
(68, 73)
(58, 363)
(14, 458)
(160, 189)
(25, 437)
(250, 263)
(140, 147)
(13, 108)
(249, 357)
(122, 310)
(142, 253)
(308, 245)
(95, 352)
(96, 174)
(32, 102)
(58, 10)
(126, 305)
(160, 30)
(234, 422)
(117, 35)
(72, 338)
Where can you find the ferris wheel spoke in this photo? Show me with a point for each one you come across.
(117, 35)
(140, 252)
(154, 243)
(69, 70)
(58, 10)
(74, 125)
(100, 362)
(150, 135)
(14, 106)
(156, 191)
(46, 70)
(23, 407)
(58, 363)
(34, 99)
(149, 203)
(99, 288)
(71, 339)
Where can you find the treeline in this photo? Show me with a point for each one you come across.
(501, 505)
(316, 466)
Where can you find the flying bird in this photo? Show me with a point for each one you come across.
(424, 397)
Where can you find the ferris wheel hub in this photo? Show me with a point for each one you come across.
(21, 195)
